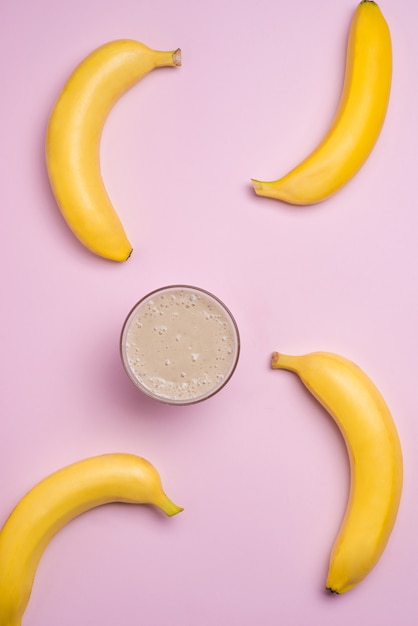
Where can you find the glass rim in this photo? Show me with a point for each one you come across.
(143, 388)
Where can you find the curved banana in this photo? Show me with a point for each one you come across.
(374, 450)
(55, 501)
(73, 140)
(358, 119)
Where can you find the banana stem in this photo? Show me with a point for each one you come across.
(167, 506)
(164, 59)
(283, 361)
(258, 187)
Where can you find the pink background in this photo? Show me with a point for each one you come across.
(260, 468)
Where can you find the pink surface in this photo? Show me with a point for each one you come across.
(260, 469)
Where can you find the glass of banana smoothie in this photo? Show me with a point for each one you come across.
(180, 344)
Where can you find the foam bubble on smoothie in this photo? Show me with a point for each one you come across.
(180, 344)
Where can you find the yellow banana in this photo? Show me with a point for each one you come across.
(374, 450)
(55, 501)
(73, 140)
(358, 119)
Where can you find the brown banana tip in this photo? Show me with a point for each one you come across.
(275, 357)
(177, 57)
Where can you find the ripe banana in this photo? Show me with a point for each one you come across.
(55, 501)
(358, 120)
(374, 450)
(73, 140)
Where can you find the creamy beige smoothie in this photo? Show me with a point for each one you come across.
(180, 344)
